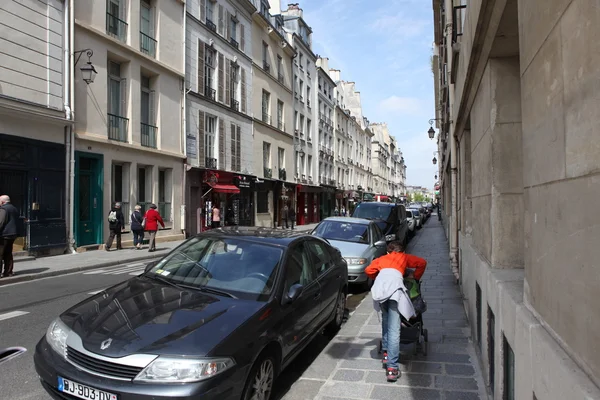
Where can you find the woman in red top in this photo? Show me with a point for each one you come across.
(152, 219)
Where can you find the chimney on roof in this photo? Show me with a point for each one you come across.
(294, 10)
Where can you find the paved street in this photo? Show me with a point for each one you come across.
(350, 368)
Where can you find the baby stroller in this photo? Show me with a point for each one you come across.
(412, 330)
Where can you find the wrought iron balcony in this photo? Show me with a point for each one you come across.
(235, 104)
(147, 45)
(148, 135)
(266, 66)
(234, 43)
(267, 172)
(332, 182)
(116, 27)
(211, 25)
(210, 93)
(117, 128)
(282, 174)
(210, 162)
(308, 102)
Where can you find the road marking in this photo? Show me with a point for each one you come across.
(96, 292)
(122, 269)
(12, 314)
(136, 273)
(96, 271)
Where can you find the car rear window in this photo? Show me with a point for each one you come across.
(343, 231)
(372, 211)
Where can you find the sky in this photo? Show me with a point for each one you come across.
(385, 47)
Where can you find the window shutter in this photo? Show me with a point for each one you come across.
(227, 82)
(221, 76)
(152, 111)
(227, 24)
(221, 20)
(201, 150)
(238, 148)
(203, 10)
(200, 74)
(243, 84)
(242, 38)
(233, 148)
(222, 144)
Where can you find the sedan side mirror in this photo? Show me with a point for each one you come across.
(381, 243)
(149, 266)
(294, 293)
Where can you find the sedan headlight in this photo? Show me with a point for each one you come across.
(179, 370)
(56, 336)
(389, 238)
(356, 261)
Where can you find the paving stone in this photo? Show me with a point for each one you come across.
(364, 353)
(320, 368)
(407, 379)
(348, 375)
(425, 367)
(390, 391)
(459, 369)
(337, 349)
(458, 323)
(453, 339)
(444, 358)
(304, 389)
(451, 348)
(462, 396)
(372, 365)
(346, 390)
(453, 383)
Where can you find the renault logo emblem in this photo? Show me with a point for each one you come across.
(106, 344)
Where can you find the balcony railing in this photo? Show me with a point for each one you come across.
(234, 43)
(210, 162)
(147, 45)
(116, 27)
(148, 135)
(280, 77)
(210, 92)
(332, 182)
(266, 118)
(117, 128)
(266, 66)
(164, 209)
(211, 25)
(235, 104)
(267, 172)
(308, 102)
(280, 124)
(282, 174)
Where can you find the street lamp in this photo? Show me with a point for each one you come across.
(435, 159)
(431, 131)
(88, 72)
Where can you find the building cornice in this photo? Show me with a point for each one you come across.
(24, 109)
(137, 147)
(128, 48)
(259, 67)
(260, 122)
(273, 33)
(221, 106)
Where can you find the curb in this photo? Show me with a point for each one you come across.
(32, 277)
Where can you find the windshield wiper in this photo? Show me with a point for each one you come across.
(212, 291)
(163, 280)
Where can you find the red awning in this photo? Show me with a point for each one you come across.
(225, 188)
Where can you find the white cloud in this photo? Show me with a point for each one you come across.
(402, 105)
(399, 26)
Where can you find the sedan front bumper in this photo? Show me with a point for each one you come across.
(356, 274)
(50, 365)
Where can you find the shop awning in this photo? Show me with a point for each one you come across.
(222, 188)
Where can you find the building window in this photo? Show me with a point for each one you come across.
(209, 73)
(164, 194)
(267, 172)
(262, 202)
(280, 124)
(308, 129)
(148, 118)
(210, 142)
(296, 120)
(264, 8)
(265, 57)
(280, 69)
(301, 125)
(281, 158)
(478, 311)
(266, 103)
(234, 78)
(147, 39)
(301, 90)
(236, 148)
(144, 187)
(509, 372)
(491, 347)
(308, 95)
(119, 186)
(117, 103)
(210, 10)
(116, 17)
(309, 168)
(233, 32)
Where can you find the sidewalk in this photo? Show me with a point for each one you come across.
(68, 263)
(350, 367)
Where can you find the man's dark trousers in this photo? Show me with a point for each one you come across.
(113, 233)
(6, 246)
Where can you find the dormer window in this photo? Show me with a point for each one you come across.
(264, 8)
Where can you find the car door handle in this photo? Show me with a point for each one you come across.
(317, 296)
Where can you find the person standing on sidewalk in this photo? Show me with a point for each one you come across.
(9, 231)
(216, 217)
(292, 215)
(389, 296)
(153, 218)
(137, 227)
(116, 223)
(284, 217)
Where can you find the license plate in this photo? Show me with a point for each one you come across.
(83, 391)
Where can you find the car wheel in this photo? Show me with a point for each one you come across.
(259, 385)
(340, 310)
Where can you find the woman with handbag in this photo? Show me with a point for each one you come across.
(137, 223)
(152, 219)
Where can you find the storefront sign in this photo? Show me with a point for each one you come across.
(191, 146)
(242, 182)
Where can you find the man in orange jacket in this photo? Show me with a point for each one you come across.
(390, 270)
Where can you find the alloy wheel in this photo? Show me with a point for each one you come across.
(340, 309)
(263, 381)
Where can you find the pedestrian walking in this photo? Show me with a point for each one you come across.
(391, 298)
(116, 224)
(137, 223)
(153, 218)
(292, 216)
(216, 217)
(9, 231)
(284, 217)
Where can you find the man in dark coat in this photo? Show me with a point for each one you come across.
(116, 223)
(9, 231)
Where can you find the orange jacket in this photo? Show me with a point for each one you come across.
(399, 261)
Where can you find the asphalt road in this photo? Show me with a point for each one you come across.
(27, 308)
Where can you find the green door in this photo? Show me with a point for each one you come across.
(88, 199)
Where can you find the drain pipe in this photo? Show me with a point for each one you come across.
(69, 117)
(71, 128)
(183, 208)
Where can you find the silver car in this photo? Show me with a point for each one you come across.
(359, 240)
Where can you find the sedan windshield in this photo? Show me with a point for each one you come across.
(415, 213)
(343, 231)
(225, 266)
(372, 211)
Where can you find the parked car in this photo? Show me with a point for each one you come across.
(359, 240)
(390, 217)
(217, 318)
(412, 222)
(417, 217)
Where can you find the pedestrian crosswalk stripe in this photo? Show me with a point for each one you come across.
(131, 269)
(12, 314)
